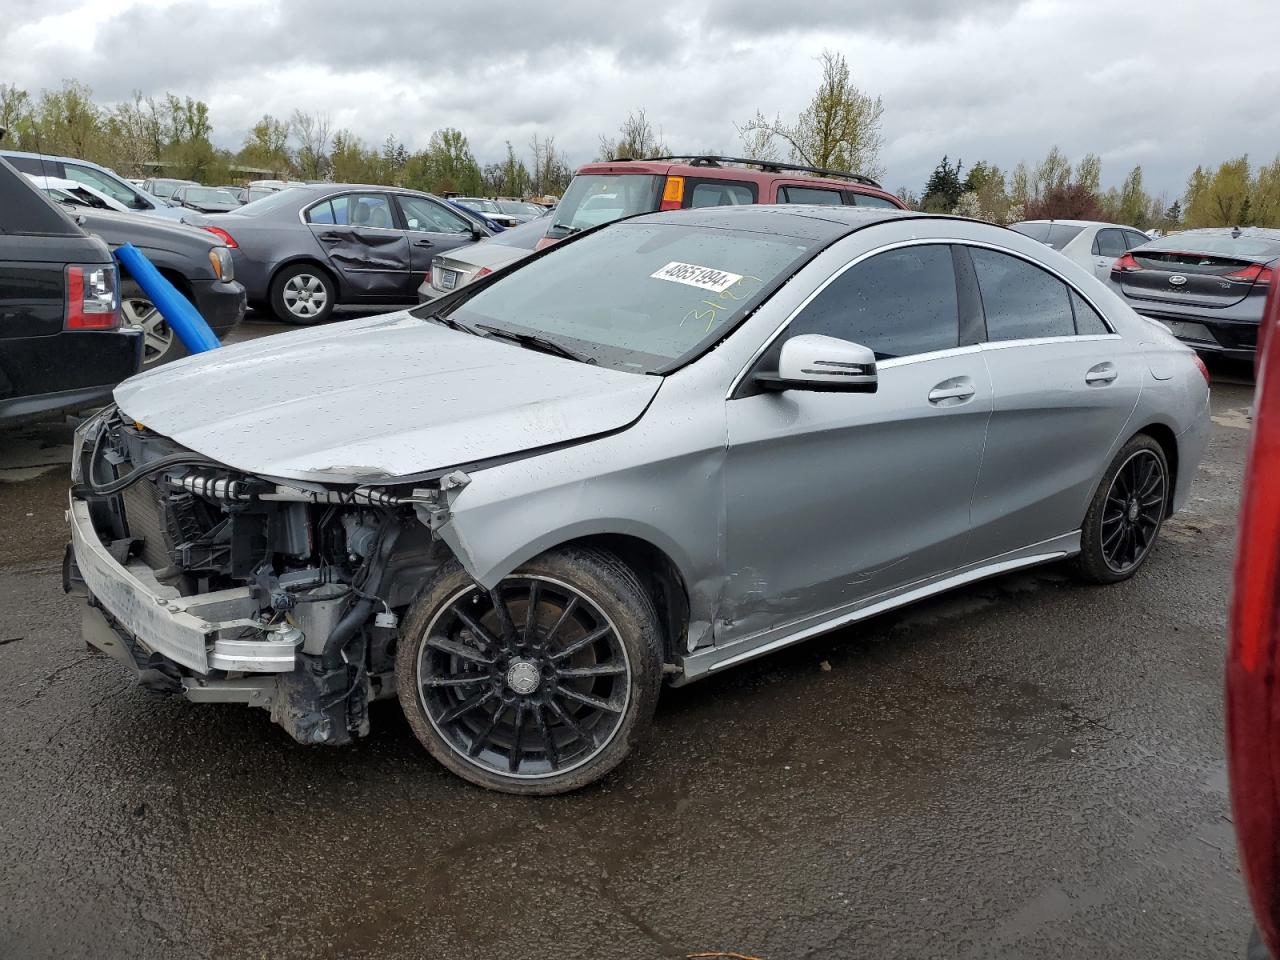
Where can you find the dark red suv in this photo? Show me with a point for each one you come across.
(613, 189)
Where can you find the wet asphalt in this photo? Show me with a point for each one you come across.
(1025, 768)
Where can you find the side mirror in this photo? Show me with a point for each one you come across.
(824, 364)
(476, 235)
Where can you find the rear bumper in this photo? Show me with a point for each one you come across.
(69, 371)
(1231, 339)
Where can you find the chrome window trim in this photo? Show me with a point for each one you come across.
(302, 213)
(899, 361)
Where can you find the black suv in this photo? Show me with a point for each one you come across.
(61, 345)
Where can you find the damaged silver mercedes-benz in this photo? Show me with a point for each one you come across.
(654, 451)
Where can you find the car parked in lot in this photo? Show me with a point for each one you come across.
(526, 210)
(1092, 244)
(304, 250)
(166, 187)
(661, 449)
(1208, 286)
(612, 189)
(206, 199)
(76, 193)
(61, 345)
(454, 270)
(98, 177)
(488, 209)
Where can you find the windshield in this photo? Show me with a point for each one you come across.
(520, 208)
(638, 296)
(596, 198)
(1249, 246)
(207, 195)
(281, 198)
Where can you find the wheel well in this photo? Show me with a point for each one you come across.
(304, 262)
(659, 576)
(1169, 445)
(179, 282)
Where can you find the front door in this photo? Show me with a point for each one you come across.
(433, 229)
(832, 498)
(360, 239)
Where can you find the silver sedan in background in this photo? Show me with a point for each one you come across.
(647, 454)
(455, 269)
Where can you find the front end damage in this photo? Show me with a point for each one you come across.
(224, 587)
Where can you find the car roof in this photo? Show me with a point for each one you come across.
(728, 168)
(803, 221)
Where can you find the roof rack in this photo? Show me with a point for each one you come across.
(769, 166)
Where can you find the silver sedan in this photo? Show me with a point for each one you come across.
(648, 454)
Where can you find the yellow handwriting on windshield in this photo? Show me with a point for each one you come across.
(712, 312)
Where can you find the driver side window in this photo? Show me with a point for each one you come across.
(898, 303)
(427, 217)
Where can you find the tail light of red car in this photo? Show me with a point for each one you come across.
(1253, 651)
(672, 194)
(92, 303)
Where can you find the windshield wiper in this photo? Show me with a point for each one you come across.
(535, 342)
(451, 323)
(568, 230)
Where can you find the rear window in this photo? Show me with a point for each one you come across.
(281, 198)
(596, 198)
(1036, 231)
(1060, 234)
(1218, 245)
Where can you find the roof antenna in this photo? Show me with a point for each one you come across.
(1235, 233)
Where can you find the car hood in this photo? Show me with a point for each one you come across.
(379, 398)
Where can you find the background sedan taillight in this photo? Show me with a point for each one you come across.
(1253, 654)
(91, 296)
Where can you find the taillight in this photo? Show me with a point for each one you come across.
(1126, 264)
(427, 278)
(482, 272)
(1254, 273)
(222, 235)
(91, 298)
(1253, 652)
(1201, 366)
(672, 194)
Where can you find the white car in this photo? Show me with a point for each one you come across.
(73, 191)
(1093, 245)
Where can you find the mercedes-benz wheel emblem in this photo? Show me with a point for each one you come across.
(523, 677)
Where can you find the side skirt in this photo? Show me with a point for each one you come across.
(702, 663)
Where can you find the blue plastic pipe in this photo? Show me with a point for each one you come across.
(185, 319)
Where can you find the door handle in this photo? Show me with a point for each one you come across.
(951, 392)
(1102, 373)
(423, 243)
(331, 237)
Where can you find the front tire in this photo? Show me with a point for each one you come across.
(1126, 513)
(303, 294)
(539, 687)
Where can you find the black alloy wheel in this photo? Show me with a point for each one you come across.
(1133, 510)
(540, 685)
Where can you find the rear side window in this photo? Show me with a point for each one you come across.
(1109, 243)
(1036, 231)
(809, 195)
(1087, 319)
(1021, 301)
(866, 200)
(722, 193)
(898, 303)
(34, 165)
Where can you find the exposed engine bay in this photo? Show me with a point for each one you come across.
(226, 587)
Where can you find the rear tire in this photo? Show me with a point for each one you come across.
(303, 294)
(529, 703)
(1126, 513)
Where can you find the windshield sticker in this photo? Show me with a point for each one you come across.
(706, 278)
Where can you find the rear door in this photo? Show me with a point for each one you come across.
(359, 236)
(1108, 245)
(432, 229)
(1065, 386)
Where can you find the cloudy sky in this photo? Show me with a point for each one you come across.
(1168, 86)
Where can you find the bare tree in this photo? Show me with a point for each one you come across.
(313, 133)
(636, 140)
